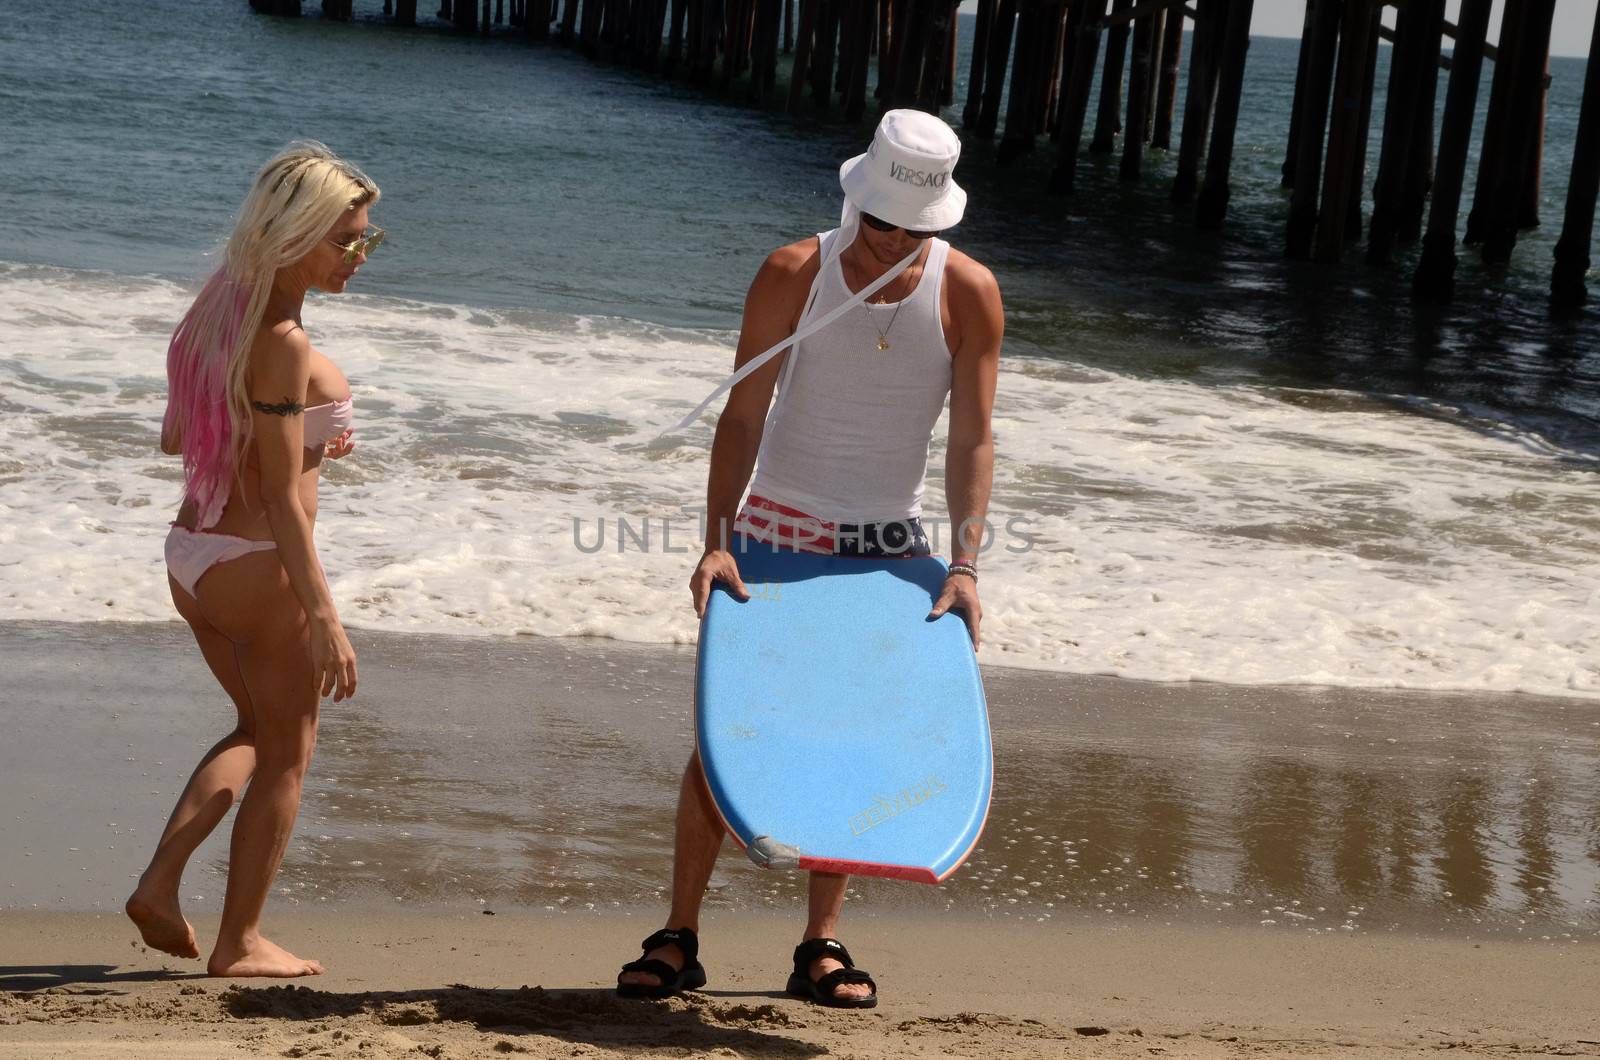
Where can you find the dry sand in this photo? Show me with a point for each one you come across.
(455, 985)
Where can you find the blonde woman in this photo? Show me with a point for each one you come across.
(254, 408)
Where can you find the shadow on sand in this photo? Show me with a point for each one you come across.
(20, 978)
(589, 1016)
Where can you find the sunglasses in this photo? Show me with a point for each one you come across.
(884, 226)
(362, 244)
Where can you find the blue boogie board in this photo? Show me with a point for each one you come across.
(840, 730)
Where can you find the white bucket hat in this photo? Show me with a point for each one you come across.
(906, 176)
(905, 179)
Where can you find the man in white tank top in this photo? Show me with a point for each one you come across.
(839, 459)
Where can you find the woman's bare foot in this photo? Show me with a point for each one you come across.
(161, 923)
(259, 957)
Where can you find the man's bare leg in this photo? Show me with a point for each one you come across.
(696, 843)
(825, 902)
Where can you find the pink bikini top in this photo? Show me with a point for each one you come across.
(324, 423)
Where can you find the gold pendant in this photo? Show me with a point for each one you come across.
(883, 344)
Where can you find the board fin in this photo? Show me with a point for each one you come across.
(771, 854)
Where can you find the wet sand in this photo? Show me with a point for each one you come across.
(454, 985)
(1195, 870)
(540, 774)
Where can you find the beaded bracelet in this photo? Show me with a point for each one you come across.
(962, 568)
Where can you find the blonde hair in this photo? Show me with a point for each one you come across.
(296, 200)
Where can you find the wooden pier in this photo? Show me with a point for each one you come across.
(1041, 57)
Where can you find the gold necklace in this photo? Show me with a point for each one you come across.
(883, 335)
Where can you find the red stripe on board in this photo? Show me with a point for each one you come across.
(911, 873)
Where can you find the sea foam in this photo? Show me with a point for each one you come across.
(1146, 528)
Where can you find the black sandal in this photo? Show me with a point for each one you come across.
(821, 990)
(692, 976)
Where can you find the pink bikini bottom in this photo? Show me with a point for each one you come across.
(190, 553)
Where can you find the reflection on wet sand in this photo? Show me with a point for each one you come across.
(1277, 817)
(542, 773)
(1463, 859)
(1316, 809)
(1536, 860)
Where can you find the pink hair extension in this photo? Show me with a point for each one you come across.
(199, 377)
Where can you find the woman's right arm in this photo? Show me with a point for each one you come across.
(280, 373)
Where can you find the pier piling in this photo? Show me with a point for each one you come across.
(1074, 109)
(1312, 121)
(1167, 85)
(1399, 132)
(1235, 46)
(1144, 40)
(1434, 280)
(983, 25)
(1567, 289)
(1494, 127)
(1358, 165)
(1301, 68)
(1510, 171)
(1340, 179)
(1199, 99)
(1039, 59)
(1025, 75)
(537, 23)
(802, 53)
(995, 67)
(1419, 167)
(1533, 180)
(1158, 35)
(1109, 116)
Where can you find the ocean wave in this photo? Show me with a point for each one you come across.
(1174, 531)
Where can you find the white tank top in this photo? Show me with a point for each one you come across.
(847, 438)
